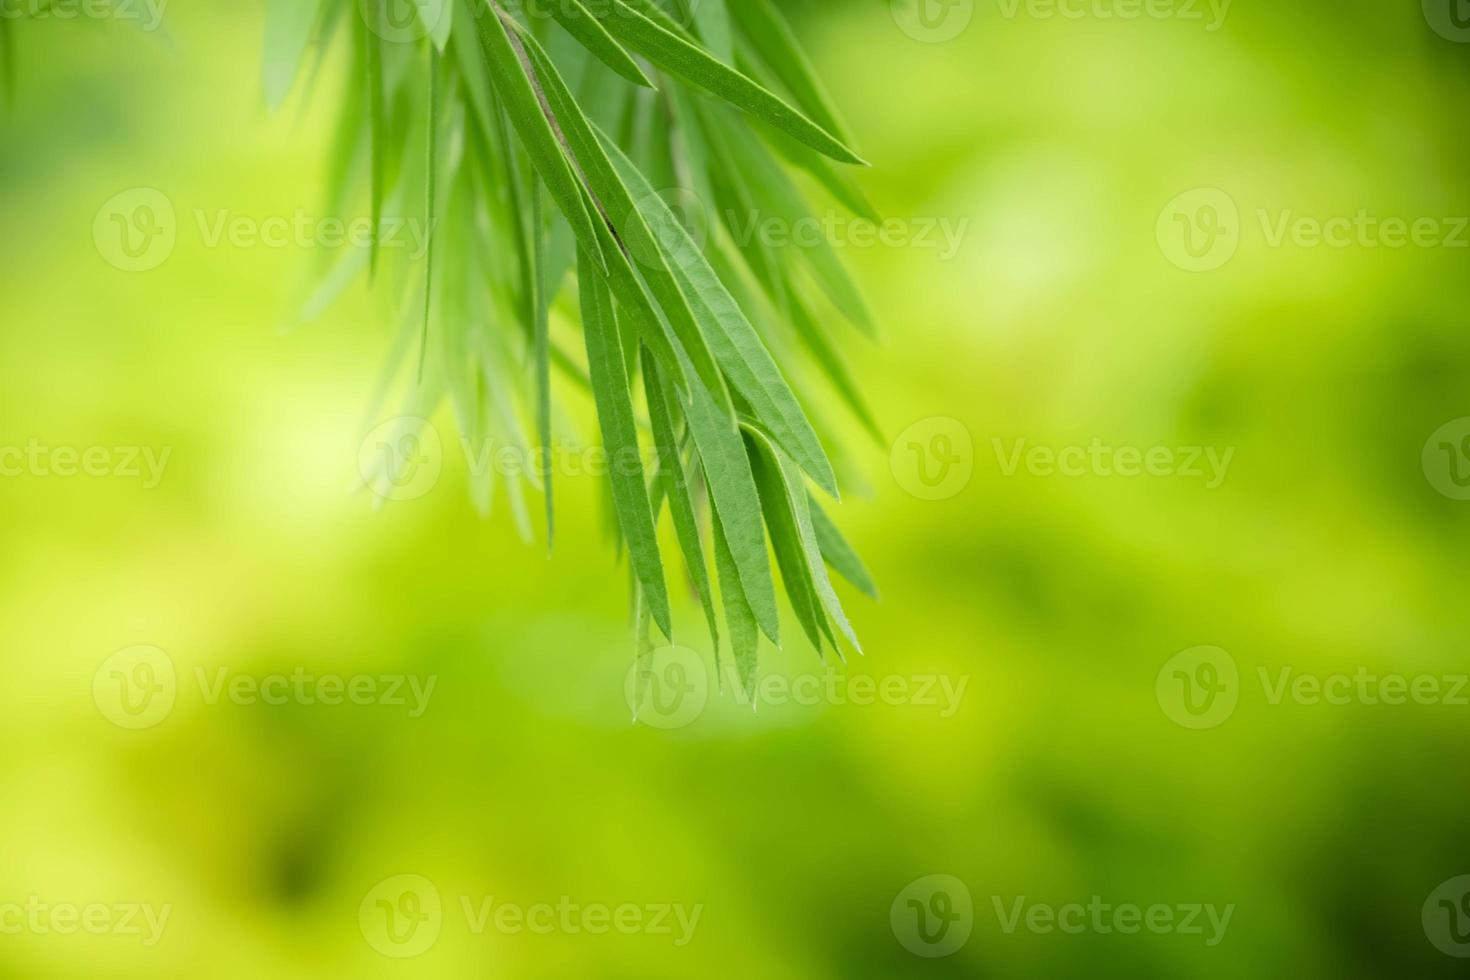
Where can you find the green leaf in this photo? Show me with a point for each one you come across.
(678, 56)
(712, 21)
(737, 347)
(735, 498)
(543, 360)
(615, 203)
(830, 361)
(430, 192)
(288, 28)
(769, 34)
(378, 126)
(578, 21)
(438, 18)
(509, 76)
(786, 540)
(780, 199)
(613, 396)
(739, 618)
(787, 477)
(675, 483)
(838, 553)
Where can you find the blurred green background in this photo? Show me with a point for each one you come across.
(1334, 544)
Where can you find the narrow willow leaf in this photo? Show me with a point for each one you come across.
(678, 56)
(786, 539)
(737, 347)
(579, 22)
(508, 75)
(438, 18)
(733, 492)
(712, 21)
(830, 361)
(430, 192)
(613, 199)
(543, 360)
(796, 498)
(739, 618)
(378, 126)
(620, 438)
(675, 486)
(837, 183)
(770, 35)
(288, 29)
(838, 553)
(780, 199)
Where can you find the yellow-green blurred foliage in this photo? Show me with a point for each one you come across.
(1062, 319)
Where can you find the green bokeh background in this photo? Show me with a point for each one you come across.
(1056, 600)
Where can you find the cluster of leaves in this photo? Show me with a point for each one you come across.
(559, 144)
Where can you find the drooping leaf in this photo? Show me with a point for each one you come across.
(505, 60)
(675, 487)
(578, 21)
(679, 56)
(288, 30)
(838, 553)
(740, 620)
(620, 440)
(736, 346)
